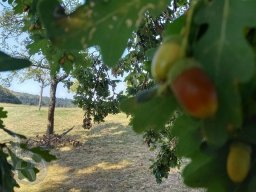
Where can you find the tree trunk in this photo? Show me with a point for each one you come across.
(41, 96)
(52, 102)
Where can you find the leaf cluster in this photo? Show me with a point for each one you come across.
(95, 90)
(224, 46)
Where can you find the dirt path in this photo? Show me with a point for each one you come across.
(111, 158)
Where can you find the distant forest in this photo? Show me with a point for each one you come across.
(8, 96)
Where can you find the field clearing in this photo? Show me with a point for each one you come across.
(111, 158)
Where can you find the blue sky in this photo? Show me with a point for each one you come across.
(32, 87)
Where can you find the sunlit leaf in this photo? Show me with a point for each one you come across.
(107, 24)
(44, 154)
(225, 55)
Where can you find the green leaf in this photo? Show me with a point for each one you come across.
(247, 133)
(37, 152)
(223, 50)
(187, 130)
(3, 114)
(152, 113)
(202, 170)
(7, 183)
(150, 54)
(25, 168)
(215, 132)
(175, 27)
(24, 171)
(38, 45)
(146, 95)
(13, 134)
(226, 57)
(43, 153)
(195, 172)
(8, 63)
(252, 184)
(219, 183)
(107, 24)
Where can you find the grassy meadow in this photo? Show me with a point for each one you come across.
(111, 158)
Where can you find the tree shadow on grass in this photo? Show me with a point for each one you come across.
(111, 158)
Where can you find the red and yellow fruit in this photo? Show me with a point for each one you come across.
(193, 89)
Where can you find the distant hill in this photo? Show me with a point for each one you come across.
(6, 96)
(30, 99)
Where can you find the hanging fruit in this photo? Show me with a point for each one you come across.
(238, 162)
(193, 89)
(164, 58)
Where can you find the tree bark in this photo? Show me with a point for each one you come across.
(53, 87)
(52, 102)
(41, 96)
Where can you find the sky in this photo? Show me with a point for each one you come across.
(33, 87)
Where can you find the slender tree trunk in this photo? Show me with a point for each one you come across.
(51, 110)
(41, 96)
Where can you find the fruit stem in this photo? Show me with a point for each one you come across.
(187, 28)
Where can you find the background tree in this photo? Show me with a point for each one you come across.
(39, 75)
(95, 90)
(47, 59)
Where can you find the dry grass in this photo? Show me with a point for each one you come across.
(112, 157)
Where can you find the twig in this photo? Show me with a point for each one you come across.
(66, 132)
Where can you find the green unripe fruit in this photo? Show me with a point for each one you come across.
(238, 162)
(71, 57)
(165, 56)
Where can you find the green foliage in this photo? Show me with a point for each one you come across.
(42, 153)
(188, 129)
(164, 143)
(165, 160)
(7, 181)
(95, 91)
(176, 27)
(141, 46)
(217, 41)
(229, 59)
(85, 27)
(150, 113)
(137, 65)
(25, 169)
(224, 44)
(8, 63)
